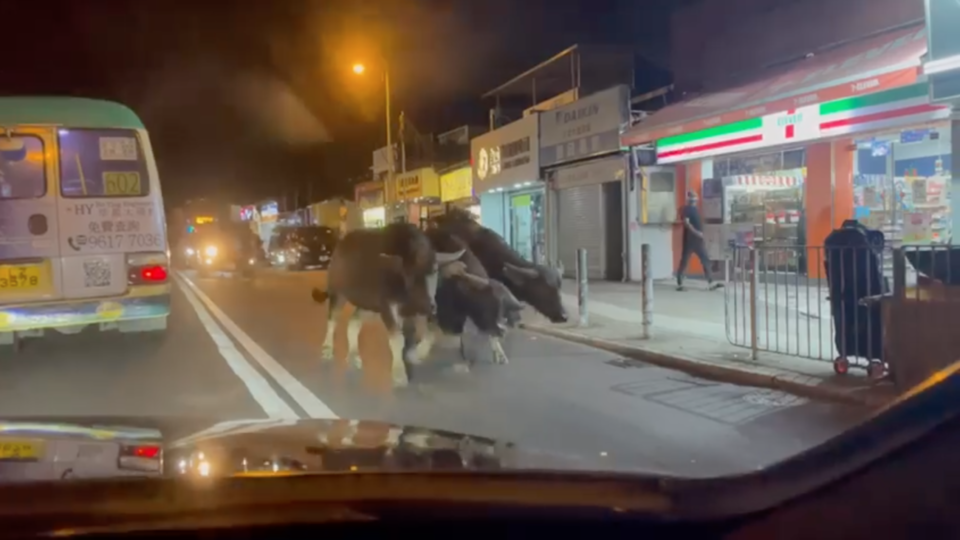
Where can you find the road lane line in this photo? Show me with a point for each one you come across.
(304, 397)
(258, 386)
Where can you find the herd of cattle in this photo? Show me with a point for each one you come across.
(455, 271)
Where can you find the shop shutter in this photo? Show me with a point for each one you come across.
(580, 225)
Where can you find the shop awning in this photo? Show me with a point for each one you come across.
(880, 63)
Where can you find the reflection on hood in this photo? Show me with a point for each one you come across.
(45, 449)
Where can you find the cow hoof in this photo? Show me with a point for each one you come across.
(411, 357)
(354, 360)
(326, 353)
(460, 368)
(400, 381)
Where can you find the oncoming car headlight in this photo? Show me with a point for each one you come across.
(190, 251)
(210, 251)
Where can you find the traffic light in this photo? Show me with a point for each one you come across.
(190, 229)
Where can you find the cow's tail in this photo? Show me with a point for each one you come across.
(319, 296)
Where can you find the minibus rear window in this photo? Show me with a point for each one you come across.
(22, 168)
(102, 163)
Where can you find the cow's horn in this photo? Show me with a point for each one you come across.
(528, 272)
(443, 258)
(476, 281)
(449, 270)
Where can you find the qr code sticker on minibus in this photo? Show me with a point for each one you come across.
(96, 273)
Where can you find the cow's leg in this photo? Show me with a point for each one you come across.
(499, 356)
(425, 344)
(326, 352)
(354, 326)
(398, 335)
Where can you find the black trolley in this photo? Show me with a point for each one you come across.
(854, 272)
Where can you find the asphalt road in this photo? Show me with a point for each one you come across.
(251, 348)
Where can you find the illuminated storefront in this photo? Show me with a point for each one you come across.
(456, 190)
(506, 177)
(413, 197)
(371, 200)
(786, 159)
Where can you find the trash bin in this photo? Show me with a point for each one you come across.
(852, 262)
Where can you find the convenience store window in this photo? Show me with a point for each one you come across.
(901, 184)
(763, 205)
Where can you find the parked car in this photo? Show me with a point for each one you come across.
(299, 248)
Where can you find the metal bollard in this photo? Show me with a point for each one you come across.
(754, 285)
(646, 292)
(582, 287)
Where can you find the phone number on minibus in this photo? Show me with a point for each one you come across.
(118, 241)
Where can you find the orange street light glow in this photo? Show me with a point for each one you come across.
(359, 69)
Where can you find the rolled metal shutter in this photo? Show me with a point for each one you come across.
(580, 225)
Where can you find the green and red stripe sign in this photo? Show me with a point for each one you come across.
(850, 115)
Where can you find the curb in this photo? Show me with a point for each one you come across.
(713, 371)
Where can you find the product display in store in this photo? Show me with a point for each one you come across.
(763, 204)
(902, 185)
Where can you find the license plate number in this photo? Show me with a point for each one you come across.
(21, 277)
(18, 450)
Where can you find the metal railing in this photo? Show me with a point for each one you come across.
(828, 303)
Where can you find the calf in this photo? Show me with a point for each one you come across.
(390, 272)
(464, 292)
(533, 284)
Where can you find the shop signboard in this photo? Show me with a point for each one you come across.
(416, 184)
(942, 63)
(585, 128)
(269, 212)
(908, 104)
(369, 195)
(942, 21)
(555, 102)
(456, 185)
(506, 157)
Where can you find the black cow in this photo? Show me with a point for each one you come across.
(464, 292)
(534, 284)
(390, 272)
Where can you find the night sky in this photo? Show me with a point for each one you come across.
(244, 99)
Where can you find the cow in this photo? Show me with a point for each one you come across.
(533, 284)
(390, 272)
(465, 292)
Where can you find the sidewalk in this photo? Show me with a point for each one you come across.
(689, 333)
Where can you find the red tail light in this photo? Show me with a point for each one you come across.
(145, 451)
(140, 458)
(153, 273)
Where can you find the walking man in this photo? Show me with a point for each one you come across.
(693, 243)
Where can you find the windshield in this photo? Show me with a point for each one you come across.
(670, 258)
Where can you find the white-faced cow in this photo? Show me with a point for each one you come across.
(390, 272)
(533, 284)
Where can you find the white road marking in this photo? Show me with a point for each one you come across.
(258, 386)
(304, 397)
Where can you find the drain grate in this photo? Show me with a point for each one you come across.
(622, 363)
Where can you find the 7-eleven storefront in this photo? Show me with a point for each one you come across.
(783, 161)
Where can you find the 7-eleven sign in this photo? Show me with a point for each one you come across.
(794, 125)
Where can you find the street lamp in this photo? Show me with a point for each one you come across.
(360, 69)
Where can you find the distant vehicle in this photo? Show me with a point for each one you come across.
(82, 233)
(300, 248)
(224, 246)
